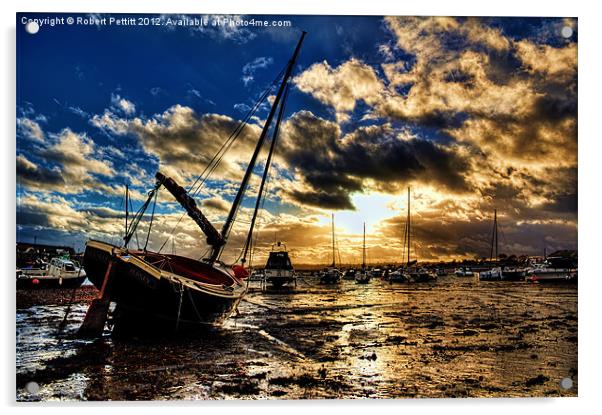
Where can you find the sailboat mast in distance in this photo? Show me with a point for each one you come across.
(494, 240)
(408, 233)
(332, 224)
(364, 249)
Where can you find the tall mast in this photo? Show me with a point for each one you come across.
(409, 241)
(126, 211)
(332, 224)
(364, 249)
(264, 178)
(217, 250)
(494, 240)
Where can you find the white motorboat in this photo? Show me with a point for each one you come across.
(60, 272)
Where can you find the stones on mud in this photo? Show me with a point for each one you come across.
(400, 341)
(306, 381)
(538, 380)
(243, 388)
(372, 357)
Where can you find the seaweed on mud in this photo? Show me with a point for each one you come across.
(241, 388)
(468, 332)
(480, 347)
(307, 381)
(537, 380)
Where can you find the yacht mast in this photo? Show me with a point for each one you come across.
(364, 250)
(218, 249)
(408, 222)
(333, 257)
(494, 239)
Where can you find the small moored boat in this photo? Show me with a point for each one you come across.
(279, 270)
(59, 273)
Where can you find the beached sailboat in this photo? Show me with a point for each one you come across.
(331, 275)
(155, 290)
(363, 276)
(495, 273)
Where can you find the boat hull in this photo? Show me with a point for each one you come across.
(362, 278)
(33, 282)
(398, 278)
(146, 298)
(423, 277)
(278, 278)
(330, 279)
(278, 282)
(514, 275)
(553, 278)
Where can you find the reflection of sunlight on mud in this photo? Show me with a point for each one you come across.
(455, 338)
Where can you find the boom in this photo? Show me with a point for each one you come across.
(213, 236)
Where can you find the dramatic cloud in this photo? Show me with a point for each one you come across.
(342, 87)
(331, 166)
(72, 164)
(185, 141)
(470, 113)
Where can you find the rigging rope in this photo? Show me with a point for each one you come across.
(225, 147)
(136, 233)
(150, 226)
(136, 220)
(268, 162)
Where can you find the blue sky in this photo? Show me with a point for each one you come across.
(68, 74)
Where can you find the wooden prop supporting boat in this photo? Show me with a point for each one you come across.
(159, 291)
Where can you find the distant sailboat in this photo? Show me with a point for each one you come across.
(494, 274)
(331, 275)
(363, 276)
(410, 272)
(505, 272)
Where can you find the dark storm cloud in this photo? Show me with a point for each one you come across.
(31, 175)
(566, 203)
(339, 199)
(333, 166)
(217, 204)
(104, 213)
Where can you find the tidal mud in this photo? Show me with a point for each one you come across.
(457, 337)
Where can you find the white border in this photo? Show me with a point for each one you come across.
(590, 159)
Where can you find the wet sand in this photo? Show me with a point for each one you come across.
(55, 296)
(455, 338)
